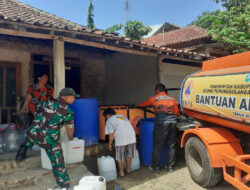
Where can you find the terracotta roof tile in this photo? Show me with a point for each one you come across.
(13, 10)
(177, 36)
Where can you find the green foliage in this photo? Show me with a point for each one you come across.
(90, 17)
(231, 27)
(204, 24)
(240, 4)
(114, 28)
(133, 29)
(136, 30)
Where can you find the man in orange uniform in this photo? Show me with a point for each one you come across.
(164, 134)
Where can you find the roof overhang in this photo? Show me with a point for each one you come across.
(98, 39)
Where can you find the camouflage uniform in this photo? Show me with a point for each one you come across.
(51, 115)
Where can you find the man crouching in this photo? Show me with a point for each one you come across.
(51, 116)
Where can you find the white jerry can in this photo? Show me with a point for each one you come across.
(91, 182)
(135, 162)
(73, 152)
(107, 168)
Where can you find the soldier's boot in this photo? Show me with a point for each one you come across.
(21, 154)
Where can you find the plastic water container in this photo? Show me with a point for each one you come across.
(74, 151)
(12, 139)
(107, 168)
(36, 148)
(1, 143)
(86, 187)
(3, 126)
(135, 163)
(95, 182)
(86, 120)
(146, 142)
(45, 159)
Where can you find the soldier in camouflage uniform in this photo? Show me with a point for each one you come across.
(51, 115)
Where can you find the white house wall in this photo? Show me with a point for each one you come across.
(174, 74)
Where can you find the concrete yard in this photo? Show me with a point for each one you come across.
(143, 179)
(29, 175)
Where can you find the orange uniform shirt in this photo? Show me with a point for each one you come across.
(166, 107)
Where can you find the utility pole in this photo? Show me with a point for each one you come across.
(127, 8)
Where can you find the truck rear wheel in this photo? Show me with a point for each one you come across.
(198, 163)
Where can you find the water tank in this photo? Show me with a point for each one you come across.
(86, 120)
(146, 142)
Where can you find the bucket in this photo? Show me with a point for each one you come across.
(86, 120)
(107, 168)
(146, 142)
(95, 182)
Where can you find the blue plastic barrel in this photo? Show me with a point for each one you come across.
(86, 120)
(146, 142)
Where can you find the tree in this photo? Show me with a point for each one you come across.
(114, 28)
(136, 30)
(133, 29)
(90, 17)
(230, 27)
(240, 4)
(204, 24)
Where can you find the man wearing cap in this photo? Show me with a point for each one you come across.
(50, 117)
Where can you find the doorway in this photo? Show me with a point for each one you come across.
(72, 77)
(9, 91)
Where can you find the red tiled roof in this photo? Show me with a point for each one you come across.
(17, 12)
(13, 10)
(177, 36)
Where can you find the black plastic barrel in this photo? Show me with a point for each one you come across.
(86, 120)
(146, 142)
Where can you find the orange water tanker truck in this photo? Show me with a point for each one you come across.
(218, 97)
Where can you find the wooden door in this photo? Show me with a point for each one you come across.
(8, 91)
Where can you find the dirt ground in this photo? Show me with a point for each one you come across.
(143, 179)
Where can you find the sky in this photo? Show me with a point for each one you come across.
(110, 12)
